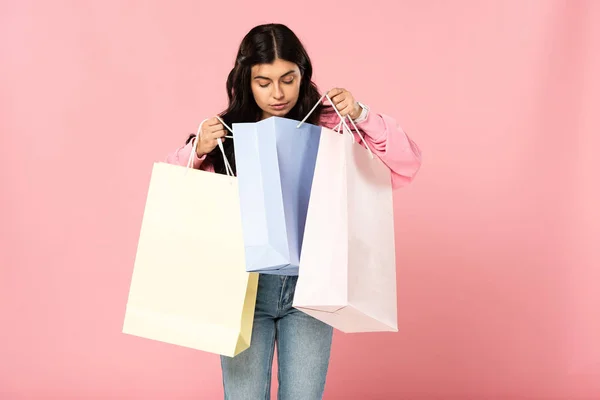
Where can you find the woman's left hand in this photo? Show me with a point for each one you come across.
(345, 102)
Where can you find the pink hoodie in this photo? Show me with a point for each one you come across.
(384, 136)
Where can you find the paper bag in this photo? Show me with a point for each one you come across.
(348, 267)
(189, 285)
(275, 162)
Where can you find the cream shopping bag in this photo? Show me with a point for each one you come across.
(348, 264)
(189, 285)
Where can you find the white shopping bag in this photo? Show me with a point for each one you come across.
(348, 261)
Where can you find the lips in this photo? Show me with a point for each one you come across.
(279, 106)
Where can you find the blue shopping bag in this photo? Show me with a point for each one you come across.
(275, 163)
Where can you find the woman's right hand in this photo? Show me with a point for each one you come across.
(210, 131)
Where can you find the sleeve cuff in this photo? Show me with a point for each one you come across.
(197, 161)
(363, 114)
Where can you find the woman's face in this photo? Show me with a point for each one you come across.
(275, 87)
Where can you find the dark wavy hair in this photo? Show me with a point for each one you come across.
(264, 44)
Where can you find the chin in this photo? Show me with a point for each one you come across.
(274, 113)
(277, 113)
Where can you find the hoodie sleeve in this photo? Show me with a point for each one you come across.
(389, 142)
(181, 156)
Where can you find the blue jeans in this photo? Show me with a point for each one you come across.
(303, 348)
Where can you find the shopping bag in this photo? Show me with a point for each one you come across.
(275, 162)
(348, 268)
(189, 285)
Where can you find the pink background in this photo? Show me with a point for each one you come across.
(498, 238)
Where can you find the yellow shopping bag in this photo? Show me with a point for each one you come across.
(189, 285)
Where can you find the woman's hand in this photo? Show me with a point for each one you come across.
(345, 103)
(210, 131)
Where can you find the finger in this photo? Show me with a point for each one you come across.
(213, 121)
(210, 130)
(215, 128)
(339, 102)
(207, 124)
(346, 110)
(335, 92)
(342, 105)
(339, 98)
(343, 100)
(218, 133)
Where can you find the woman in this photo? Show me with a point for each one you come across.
(272, 77)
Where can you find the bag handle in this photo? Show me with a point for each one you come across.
(228, 168)
(342, 121)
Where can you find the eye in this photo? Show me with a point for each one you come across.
(288, 81)
(263, 84)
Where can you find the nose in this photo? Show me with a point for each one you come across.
(278, 92)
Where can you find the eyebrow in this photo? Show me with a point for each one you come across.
(268, 79)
